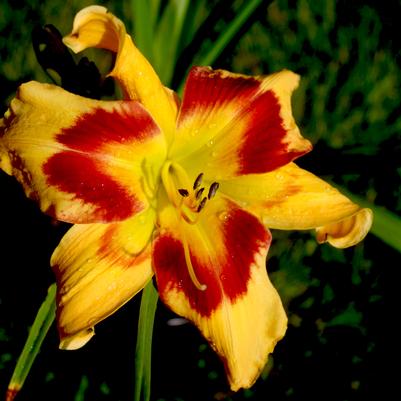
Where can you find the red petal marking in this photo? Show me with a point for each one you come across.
(263, 146)
(80, 175)
(130, 122)
(116, 253)
(106, 239)
(208, 89)
(244, 236)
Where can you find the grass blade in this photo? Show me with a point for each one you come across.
(37, 334)
(216, 48)
(167, 38)
(145, 19)
(387, 226)
(143, 353)
(242, 16)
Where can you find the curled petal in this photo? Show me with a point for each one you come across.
(347, 232)
(94, 26)
(213, 273)
(84, 160)
(99, 267)
(231, 124)
(291, 198)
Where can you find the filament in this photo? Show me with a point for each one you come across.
(190, 267)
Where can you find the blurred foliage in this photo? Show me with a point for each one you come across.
(348, 104)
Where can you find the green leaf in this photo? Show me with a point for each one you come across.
(196, 14)
(83, 386)
(37, 334)
(143, 353)
(348, 317)
(145, 18)
(217, 47)
(233, 27)
(386, 225)
(167, 38)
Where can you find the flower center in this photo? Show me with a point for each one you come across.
(189, 199)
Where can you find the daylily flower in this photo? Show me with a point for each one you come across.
(183, 190)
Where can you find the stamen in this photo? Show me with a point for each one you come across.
(212, 190)
(198, 181)
(202, 204)
(198, 193)
(183, 192)
(191, 271)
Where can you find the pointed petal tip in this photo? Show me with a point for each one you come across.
(347, 232)
(285, 79)
(77, 340)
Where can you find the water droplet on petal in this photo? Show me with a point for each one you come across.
(223, 216)
(210, 143)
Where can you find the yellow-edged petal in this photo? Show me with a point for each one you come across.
(231, 124)
(84, 160)
(99, 267)
(213, 273)
(94, 26)
(292, 198)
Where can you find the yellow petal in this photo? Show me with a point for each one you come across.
(292, 198)
(99, 267)
(83, 160)
(213, 273)
(94, 26)
(231, 124)
(347, 232)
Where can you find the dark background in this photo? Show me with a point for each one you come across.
(342, 304)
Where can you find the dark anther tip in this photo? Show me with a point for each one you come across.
(183, 192)
(198, 181)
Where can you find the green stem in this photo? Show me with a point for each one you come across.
(37, 334)
(143, 354)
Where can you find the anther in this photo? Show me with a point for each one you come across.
(183, 192)
(202, 204)
(198, 193)
(198, 181)
(212, 190)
